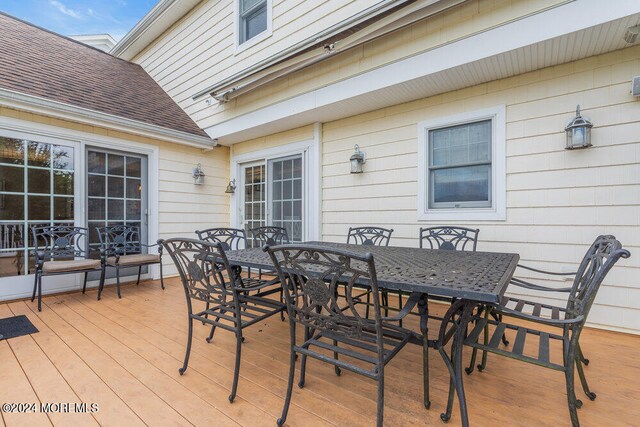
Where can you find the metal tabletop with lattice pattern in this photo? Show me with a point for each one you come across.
(479, 276)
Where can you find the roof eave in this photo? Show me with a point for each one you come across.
(60, 110)
(160, 18)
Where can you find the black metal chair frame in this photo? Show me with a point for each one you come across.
(121, 240)
(233, 239)
(312, 274)
(59, 242)
(372, 236)
(449, 238)
(599, 259)
(208, 277)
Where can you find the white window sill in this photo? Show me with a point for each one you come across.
(463, 215)
(252, 42)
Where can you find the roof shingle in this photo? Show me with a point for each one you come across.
(38, 62)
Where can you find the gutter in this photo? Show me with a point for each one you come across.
(301, 46)
(39, 105)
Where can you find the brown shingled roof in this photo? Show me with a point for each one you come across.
(38, 62)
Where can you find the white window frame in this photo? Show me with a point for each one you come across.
(498, 210)
(241, 46)
(311, 181)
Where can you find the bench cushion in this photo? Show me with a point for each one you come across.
(135, 259)
(70, 266)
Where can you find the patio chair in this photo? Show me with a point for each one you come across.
(61, 249)
(449, 238)
(207, 277)
(233, 239)
(314, 272)
(269, 235)
(570, 319)
(372, 236)
(121, 248)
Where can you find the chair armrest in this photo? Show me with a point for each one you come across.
(537, 319)
(552, 273)
(528, 285)
(406, 309)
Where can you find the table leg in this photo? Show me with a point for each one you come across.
(456, 353)
(423, 309)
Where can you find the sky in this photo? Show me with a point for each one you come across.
(76, 17)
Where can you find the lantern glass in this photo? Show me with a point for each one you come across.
(356, 165)
(578, 132)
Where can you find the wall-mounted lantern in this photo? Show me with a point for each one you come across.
(198, 175)
(357, 160)
(578, 132)
(231, 188)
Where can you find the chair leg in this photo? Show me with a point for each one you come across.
(287, 399)
(303, 362)
(423, 308)
(400, 306)
(118, 280)
(282, 301)
(385, 302)
(84, 286)
(236, 371)
(583, 380)
(35, 285)
(571, 396)
(40, 292)
(335, 356)
(368, 302)
(446, 416)
(161, 278)
(188, 352)
(380, 415)
(581, 355)
(498, 318)
(139, 272)
(101, 284)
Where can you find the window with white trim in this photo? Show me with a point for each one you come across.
(253, 17)
(462, 163)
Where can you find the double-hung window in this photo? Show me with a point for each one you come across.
(462, 167)
(253, 19)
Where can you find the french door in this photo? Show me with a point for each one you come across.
(116, 194)
(272, 193)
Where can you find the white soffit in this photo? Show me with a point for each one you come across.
(566, 33)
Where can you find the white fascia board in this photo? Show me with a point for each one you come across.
(162, 16)
(46, 107)
(536, 28)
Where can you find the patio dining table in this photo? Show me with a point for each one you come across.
(472, 277)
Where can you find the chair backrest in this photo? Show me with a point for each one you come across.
(369, 236)
(313, 274)
(269, 235)
(449, 238)
(599, 259)
(231, 239)
(60, 241)
(202, 267)
(120, 239)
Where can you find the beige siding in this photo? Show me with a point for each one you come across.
(199, 50)
(183, 206)
(557, 200)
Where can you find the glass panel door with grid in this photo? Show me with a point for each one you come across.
(116, 194)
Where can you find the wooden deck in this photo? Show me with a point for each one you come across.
(124, 355)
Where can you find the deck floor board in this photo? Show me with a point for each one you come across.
(125, 354)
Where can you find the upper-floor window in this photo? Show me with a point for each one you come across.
(462, 167)
(253, 19)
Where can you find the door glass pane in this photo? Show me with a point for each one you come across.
(11, 207)
(115, 187)
(62, 208)
(11, 179)
(39, 181)
(63, 182)
(39, 154)
(96, 162)
(116, 164)
(134, 167)
(286, 195)
(11, 151)
(254, 198)
(39, 208)
(97, 185)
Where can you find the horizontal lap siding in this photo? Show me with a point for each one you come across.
(199, 50)
(557, 200)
